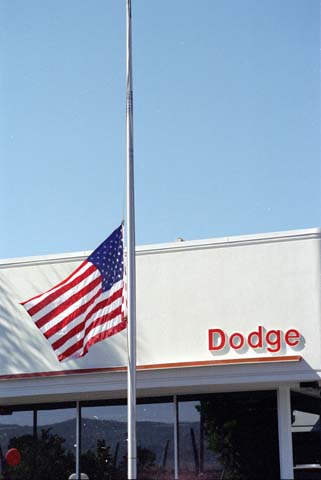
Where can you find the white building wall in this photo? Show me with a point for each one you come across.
(183, 290)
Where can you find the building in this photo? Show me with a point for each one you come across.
(228, 354)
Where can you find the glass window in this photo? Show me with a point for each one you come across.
(306, 436)
(104, 441)
(155, 440)
(56, 441)
(218, 440)
(217, 435)
(16, 430)
(45, 440)
(195, 458)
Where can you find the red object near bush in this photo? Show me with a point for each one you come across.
(13, 457)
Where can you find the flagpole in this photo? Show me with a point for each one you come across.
(131, 264)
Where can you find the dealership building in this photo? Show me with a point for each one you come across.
(228, 359)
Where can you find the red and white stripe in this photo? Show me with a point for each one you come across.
(76, 313)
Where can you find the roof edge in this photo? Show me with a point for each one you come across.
(228, 241)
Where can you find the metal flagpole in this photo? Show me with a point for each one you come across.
(78, 440)
(176, 439)
(131, 264)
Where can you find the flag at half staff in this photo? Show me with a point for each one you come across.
(86, 307)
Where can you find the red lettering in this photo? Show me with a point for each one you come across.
(271, 340)
(276, 343)
(259, 337)
(216, 339)
(292, 337)
(239, 343)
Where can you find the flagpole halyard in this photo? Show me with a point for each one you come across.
(131, 264)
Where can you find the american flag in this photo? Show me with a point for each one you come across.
(86, 307)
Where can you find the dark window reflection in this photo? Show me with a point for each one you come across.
(235, 437)
(230, 436)
(155, 440)
(14, 427)
(104, 442)
(195, 458)
(306, 436)
(47, 451)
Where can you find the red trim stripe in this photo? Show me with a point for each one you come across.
(157, 366)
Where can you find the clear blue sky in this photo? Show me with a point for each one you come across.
(227, 120)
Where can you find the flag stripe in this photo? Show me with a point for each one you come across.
(105, 302)
(70, 352)
(64, 288)
(107, 320)
(102, 323)
(71, 318)
(78, 346)
(64, 296)
(33, 300)
(82, 325)
(79, 307)
(88, 306)
(83, 312)
(102, 318)
(69, 302)
(105, 334)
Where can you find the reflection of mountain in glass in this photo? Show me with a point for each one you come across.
(156, 436)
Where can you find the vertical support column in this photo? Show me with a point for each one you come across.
(320, 431)
(35, 438)
(78, 440)
(35, 424)
(201, 454)
(176, 443)
(285, 433)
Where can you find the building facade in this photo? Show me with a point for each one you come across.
(228, 364)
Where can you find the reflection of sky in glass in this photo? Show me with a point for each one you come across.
(116, 412)
(48, 417)
(305, 421)
(157, 412)
(17, 418)
(44, 417)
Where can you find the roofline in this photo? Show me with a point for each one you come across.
(238, 240)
